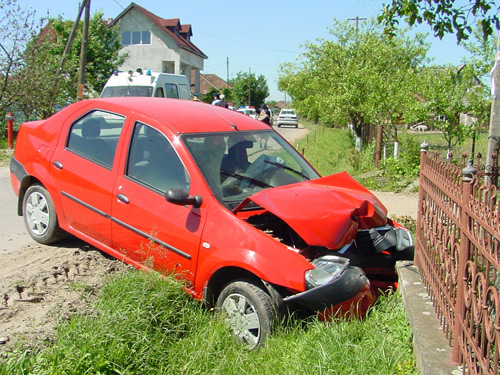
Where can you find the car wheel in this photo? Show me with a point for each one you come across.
(40, 215)
(249, 310)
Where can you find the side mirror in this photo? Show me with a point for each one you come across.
(182, 198)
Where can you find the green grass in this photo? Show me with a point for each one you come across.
(145, 324)
(331, 150)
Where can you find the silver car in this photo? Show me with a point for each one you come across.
(288, 117)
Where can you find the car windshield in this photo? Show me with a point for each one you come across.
(239, 164)
(114, 91)
(287, 112)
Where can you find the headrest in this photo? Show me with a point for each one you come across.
(91, 128)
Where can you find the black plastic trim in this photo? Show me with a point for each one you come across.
(17, 169)
(342, 289)
(129, 227)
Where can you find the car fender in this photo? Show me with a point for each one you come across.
(288, 273)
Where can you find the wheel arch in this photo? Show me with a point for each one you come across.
(23, 187)
(228, 274)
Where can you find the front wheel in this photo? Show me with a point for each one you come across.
(249, 310)
(40, 215)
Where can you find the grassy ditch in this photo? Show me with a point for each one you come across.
(145, 324)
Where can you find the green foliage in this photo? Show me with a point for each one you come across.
(145, 324)
(245, 82)
(357, 77)
(39, 86)
(464, 94)
(444, 16)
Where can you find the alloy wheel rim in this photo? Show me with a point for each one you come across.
(37, 213)
(243, 319)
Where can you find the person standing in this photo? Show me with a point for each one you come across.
(264, 116)
(216, 99)
(222, 102)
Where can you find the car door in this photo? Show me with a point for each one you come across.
(146, 228)
(82, 169)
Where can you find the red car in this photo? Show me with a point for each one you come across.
(183, 187)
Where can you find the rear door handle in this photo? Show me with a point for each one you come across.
(57, 164)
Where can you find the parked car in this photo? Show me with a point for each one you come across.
(287, 117)
(420, 127)
(249, 112)
(183, 188)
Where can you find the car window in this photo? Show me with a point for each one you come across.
(171, 90)
(95, 136)
(153, 161)
(159, 92)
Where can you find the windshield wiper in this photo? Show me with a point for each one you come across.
(288, 169)
(252, 180)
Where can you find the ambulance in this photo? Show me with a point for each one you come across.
(147, 83)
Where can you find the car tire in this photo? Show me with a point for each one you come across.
(249, 310)
(40, 215)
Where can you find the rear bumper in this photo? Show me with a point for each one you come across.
(350, 290)
(287, 122)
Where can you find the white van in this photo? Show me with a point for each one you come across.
(149, 83)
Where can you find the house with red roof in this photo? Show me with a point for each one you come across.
(159, 44)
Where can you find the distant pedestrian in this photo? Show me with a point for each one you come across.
(216, 99)
(265, 115)
(222, 102)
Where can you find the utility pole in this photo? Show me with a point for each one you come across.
(357, 19)
(494, 132)
(249, 90)
(83, 51)
(227, 80)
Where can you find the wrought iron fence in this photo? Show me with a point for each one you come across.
(458, 254)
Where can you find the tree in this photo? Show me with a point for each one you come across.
(247, 86)
(444, 16)
(360, 77)
(40, 88)
(17, 27)
(447, 95)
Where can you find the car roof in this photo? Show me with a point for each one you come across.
(183, 116)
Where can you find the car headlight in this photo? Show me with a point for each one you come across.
(327, 269)
(403, 238)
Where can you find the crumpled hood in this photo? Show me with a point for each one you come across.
(326, 211)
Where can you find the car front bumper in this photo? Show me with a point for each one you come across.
(351, 292)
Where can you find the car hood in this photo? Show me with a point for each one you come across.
(327, 211)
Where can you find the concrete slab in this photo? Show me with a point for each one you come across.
(430, 345)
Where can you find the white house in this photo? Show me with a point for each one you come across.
(159, 44)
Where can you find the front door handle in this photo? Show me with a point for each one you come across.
(123, 198)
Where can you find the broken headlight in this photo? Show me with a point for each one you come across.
(327, 269)
(403, 238)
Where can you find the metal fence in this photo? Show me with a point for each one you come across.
(458, 254)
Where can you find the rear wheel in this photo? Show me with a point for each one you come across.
(40, 215)
(250, 311)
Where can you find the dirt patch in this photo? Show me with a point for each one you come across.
(40, 285)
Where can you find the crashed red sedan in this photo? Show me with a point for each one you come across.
(183, 187)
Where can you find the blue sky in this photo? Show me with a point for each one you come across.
(254, 36)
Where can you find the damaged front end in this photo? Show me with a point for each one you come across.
(342, 230)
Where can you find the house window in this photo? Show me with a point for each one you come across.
(136, 37)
